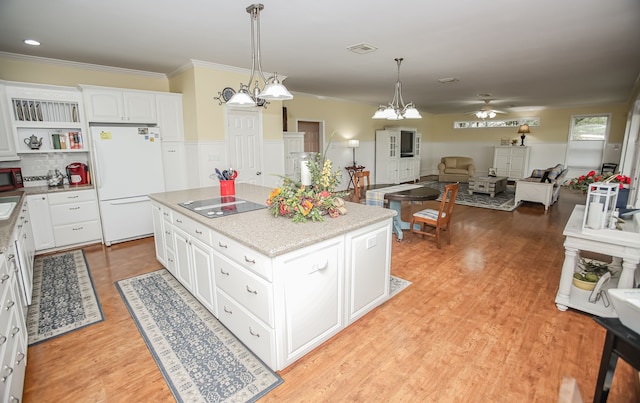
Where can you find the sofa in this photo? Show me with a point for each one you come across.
(455, 169)
(543, 186)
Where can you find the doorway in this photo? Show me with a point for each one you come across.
(244, 144)
(313, 141)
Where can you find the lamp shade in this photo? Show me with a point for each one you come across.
(524, 129)
(276, 92)
(354, 143)
(241, 98)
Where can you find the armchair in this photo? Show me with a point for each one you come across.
(455, 169)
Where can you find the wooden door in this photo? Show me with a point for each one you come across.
(311, 135)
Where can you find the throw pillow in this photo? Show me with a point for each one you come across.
(554, 173)
(450, 162)
(545, 176)
(538, 173)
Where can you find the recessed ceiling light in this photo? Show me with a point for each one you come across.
(448, 80)
(32, 42)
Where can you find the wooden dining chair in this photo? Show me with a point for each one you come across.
(437, 219)
(359, 189)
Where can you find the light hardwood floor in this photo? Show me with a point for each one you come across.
(478, 324)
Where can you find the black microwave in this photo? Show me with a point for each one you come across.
(10, 179)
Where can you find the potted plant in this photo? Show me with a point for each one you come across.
(589, 272)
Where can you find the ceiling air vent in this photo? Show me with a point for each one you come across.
(362, 48)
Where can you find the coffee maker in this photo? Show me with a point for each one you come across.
(78, 174)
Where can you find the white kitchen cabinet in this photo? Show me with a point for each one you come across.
(159, 233)
(365, 249)
(293, 143)
(46, 111)
(7, 141)
(392, 166)
(194, 259)
(75, 217)
(174, 165)
(511, 161)
(281, 307)
(41, 219)
(25, 251)
(312, 286)
(170, 116)
(115, 105)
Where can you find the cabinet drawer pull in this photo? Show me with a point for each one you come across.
(227, 310)
(14, 399)
(317, 267)
(9, 304)
(222, 245)
(15, 331)
(166, 214)
(167, 232)
(198, 232)
(178, 220)
(77, 229)
(20, 357)
(171, 260)
(226, 273)
(73, 197)
(74, 208)
(249, 290)
(253, 333)
(8, 371)
(246, 259)
(4, 278)
(3, 339)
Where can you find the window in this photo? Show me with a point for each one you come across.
(476, 124)
(589, 127)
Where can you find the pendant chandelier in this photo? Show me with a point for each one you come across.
(397, 110)
(273, 89)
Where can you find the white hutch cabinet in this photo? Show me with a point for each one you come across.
(511, 161)
(397, 155)
(293, 143)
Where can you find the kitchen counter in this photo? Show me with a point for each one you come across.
(260, 230)
(6, 226)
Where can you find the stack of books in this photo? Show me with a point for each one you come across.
(67, 141)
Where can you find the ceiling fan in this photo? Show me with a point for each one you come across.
(486, 111)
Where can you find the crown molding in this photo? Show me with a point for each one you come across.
(80, 65)
(218, 67)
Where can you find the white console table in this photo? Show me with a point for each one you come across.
(623, 246)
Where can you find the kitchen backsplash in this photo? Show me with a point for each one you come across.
(36, 166)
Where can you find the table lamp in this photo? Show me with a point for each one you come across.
(524, 129)
(354, 144)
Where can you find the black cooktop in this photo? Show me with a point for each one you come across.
(221, 206)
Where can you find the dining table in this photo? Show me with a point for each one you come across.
(394, 195)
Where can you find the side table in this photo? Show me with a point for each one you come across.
(620, 342)
(352, 170)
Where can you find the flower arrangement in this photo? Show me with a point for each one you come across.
(302, 203)
(582, 183)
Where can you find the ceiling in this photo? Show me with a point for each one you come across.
(527, 54)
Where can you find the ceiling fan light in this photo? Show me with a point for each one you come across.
(492, 115)
(241, 98)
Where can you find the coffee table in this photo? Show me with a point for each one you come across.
(488, 184)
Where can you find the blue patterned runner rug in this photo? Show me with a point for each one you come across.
(199, 358)
(64, 298)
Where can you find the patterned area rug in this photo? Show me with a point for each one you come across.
(397, 284)
(64, 298)
(199, 358)
(504, 201)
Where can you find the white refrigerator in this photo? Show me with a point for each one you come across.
(127, 168)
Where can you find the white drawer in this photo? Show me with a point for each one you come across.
(167, 215)
(74, 212)
(248, 258)
(193, 228)
(71, 197)
(76, 233)
(254, 334)
(253, 292)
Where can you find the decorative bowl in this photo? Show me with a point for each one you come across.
(584, 285)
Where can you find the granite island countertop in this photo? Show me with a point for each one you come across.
(7, 226)
(261, 231)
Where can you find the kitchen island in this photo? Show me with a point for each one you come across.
(282, 288)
